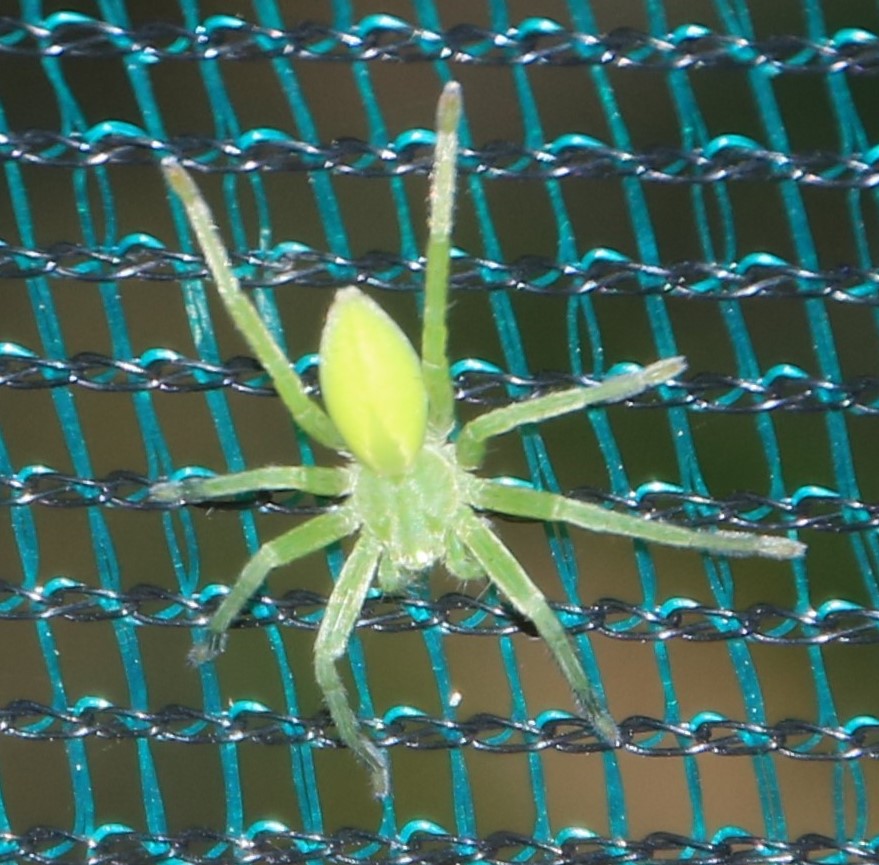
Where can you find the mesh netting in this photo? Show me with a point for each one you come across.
(636, 182)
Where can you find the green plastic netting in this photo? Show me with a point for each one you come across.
(639, 180)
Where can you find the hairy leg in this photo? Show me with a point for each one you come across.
(470, 445)
(311, 536)
(434, 338)
(541, 505)
(307, 413)
(338, 623)
(308, 479)
(508, 575)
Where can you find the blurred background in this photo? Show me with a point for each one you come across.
(639, 180)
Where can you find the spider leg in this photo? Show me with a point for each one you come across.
(316, 480)
(470, 445)
(508, 575)
(317, 533)
(434, 336)
(307, 413)
(542, 505)
(340, 617)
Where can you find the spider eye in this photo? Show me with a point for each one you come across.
(370, 377)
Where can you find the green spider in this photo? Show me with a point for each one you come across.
(407, 486)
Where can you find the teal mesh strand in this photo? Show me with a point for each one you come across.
(713, 214)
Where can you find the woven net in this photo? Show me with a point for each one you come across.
(636, 182)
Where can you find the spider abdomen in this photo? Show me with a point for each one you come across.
(372, 384)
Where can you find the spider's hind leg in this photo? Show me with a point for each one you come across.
(470, 445)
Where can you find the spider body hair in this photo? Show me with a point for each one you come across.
(407, 487)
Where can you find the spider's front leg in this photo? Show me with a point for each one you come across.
(340, 617)
(552, 507)
(504, 570)
(329, 482)
(314, 535)
(541, 505)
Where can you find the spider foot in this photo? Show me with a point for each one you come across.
(607, 730)
(605, 727)
(169, 492)
(381, 778)
(205, 651)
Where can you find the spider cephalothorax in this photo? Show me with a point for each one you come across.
(409, 489)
